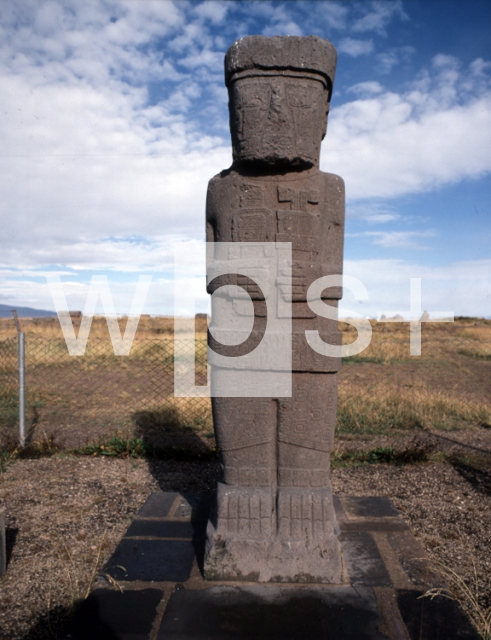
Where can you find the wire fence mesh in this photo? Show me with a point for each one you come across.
(100, 393)
(8, 382)
(99, 390)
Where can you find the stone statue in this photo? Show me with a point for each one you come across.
(274, 518)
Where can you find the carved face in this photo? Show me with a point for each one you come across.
(278, 120)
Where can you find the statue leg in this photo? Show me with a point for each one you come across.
(307, 530)
(241, 527)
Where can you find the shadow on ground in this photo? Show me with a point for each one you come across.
(11, 534)
(51, 625)
(179, 458)
(477, 476)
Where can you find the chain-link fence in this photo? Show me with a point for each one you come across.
(91, 396)
(9, 408)
(97, 393)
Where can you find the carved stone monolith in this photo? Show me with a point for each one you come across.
(274, 517)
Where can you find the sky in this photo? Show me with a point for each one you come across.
(113, 117)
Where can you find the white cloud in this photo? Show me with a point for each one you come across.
(379, 15)
(334, 13)
(382, 218)
(36, 294)
(204, 58)
(274, 20)
(355, 48)
(122, 260)
(368, 88)
(461, 287)
(393, 144)
(393, 239)
(122, 254)
(479, 66)
(372, 212)
(84, 154)
(387, 61)
(212, 10)
(283, 28)
(390, 58)
(107, 109)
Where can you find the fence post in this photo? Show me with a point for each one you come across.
(21, 351)
(22, 388)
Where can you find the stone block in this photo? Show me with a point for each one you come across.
(157, 505)
(108, 614)
(271, 613)
(364, 563)
(151, 560)
(434, 619)
(369, 507)
(162, 529)
(414, 560)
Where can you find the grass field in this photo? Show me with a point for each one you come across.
(382, 392)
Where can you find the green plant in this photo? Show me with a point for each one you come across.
(9, 406)
(415, 451)
(479, 355)
(115, 447)
(139, 448)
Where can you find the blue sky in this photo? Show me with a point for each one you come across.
(114, 117)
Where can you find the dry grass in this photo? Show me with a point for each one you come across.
(49, 328)
(385, 391)
(382, 390)
(379, 410)
(468, 595)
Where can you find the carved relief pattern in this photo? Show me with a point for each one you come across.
(304, 514)
(292, 477)
(304, 100)
(245, 512)
(252, 225)
(272, 115)
(241, 423)
(306, 419)
(248, 476)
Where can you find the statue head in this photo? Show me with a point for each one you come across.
(279, 94)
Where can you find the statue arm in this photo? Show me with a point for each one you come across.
(213, 200)
(333, 240)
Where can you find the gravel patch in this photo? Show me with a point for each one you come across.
(65, 516)
(448, 508)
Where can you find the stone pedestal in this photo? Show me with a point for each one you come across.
(158, 566)
(287, 536)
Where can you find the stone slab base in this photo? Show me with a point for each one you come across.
(248, 561)
(303, 547)
(159, 563)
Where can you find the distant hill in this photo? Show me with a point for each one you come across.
(24, 312)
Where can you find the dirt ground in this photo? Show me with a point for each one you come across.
(65, 516)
